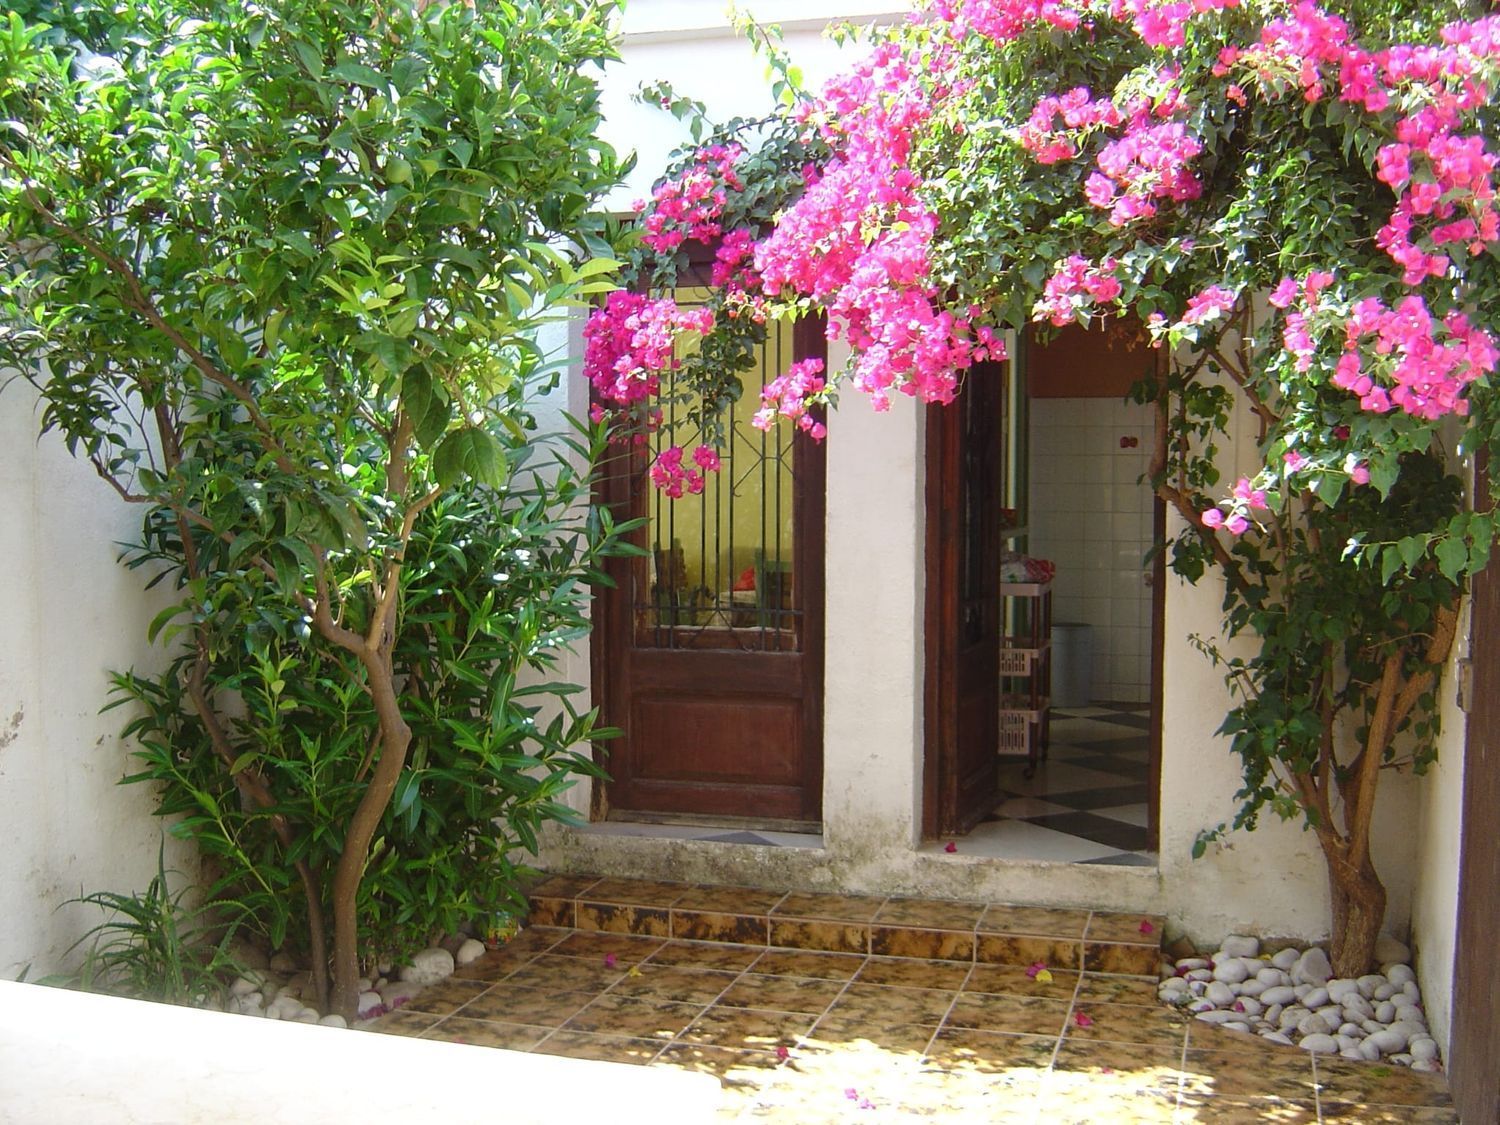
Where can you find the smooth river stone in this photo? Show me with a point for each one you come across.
(1231, 972)
(1283, 994)
(1285, 959)
(1237, 945)
(1320, 1044)
(1220, 993)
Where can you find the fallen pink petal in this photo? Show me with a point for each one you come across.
(1147, 928)
(950, 847)
(1036, 967)
(610, 961)
(782, 1053)
(1083, 1019)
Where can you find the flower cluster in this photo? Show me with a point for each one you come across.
(1210, 304)
(1427, 363)
(1163, 23)
(858, 239)
(1075, 287)
(689, 206)
(1147, 164)
(630, 341)
(1077, 111)
(1248, 497)
(1392, 358)
(790, 395)
(1000, 21)
(734, 262)
(669, 474)
(1443, 177)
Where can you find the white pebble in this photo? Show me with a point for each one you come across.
(333, 1019)
(1271, 977)
(1369, 1051)
(1249, 1005)
(1231, 971)
(1369, 982)
(1251, 988)
(1201, 1006)
(1276, 1037)
(1188, 964)
(1340, 990)
(1199, 974)
(1388, 950)
(1403, 1059)
(1351, 1031)
(1399, 974)
(1315, 999)
(1385, 1012)
(1280, 994)
(1357, 1008)
(1285, 959)
(1313, 1025)
(1237, 1025)
(1237, 945)
(1273, 1013)
(1220, 993)
(1320, 1044)
(1389, 1042)
(1430, 1066)
(1216, 1016)
(1423, 1049)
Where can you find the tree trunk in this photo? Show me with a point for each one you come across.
(1358, 898)
(395, 739)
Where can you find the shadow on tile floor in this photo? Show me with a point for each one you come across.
(803, 1038)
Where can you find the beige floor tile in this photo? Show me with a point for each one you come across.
(487, 1033)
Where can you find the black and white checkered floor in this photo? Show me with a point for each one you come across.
(1087, 802)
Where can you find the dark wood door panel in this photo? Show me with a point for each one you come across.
(963, 605)
(751, 741)
(1474, 1052)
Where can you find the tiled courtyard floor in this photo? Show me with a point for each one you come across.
(803, 1036)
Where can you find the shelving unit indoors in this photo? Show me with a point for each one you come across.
(1026, 671)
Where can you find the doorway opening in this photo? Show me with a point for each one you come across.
(1066, 521)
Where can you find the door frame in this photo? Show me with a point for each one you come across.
(940, 633)
(1474, 1046)
(614, 615)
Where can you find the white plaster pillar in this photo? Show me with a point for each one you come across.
(872, 718)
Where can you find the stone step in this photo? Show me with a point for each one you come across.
(1094, 941)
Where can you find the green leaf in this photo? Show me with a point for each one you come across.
(469, 454)
(359, 74)
(426, 401)
(1452, 556)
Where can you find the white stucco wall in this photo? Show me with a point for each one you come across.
(1434, 909)
(1271, 881)
(69, 614)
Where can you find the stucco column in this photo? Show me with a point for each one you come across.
(873, 682)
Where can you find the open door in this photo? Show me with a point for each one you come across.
(708, 652)
(964, 477)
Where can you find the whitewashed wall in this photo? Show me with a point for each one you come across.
(1272, 881)
(69, 614)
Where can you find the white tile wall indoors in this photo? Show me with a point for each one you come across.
(1090, 513)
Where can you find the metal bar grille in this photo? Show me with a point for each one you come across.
(720, 570)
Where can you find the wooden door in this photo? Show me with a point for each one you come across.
(1474, 1049)
(708, 652)
(964, 478)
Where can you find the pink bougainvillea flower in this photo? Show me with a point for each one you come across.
(1083, 1019)
(1213, 518)
(851, 1093)
(610, 960)
(1035, 968)
(1147, 927)
(782, 1053)
(1360, 474)
(950, 847)
(1236, 525)
(1293, 461)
